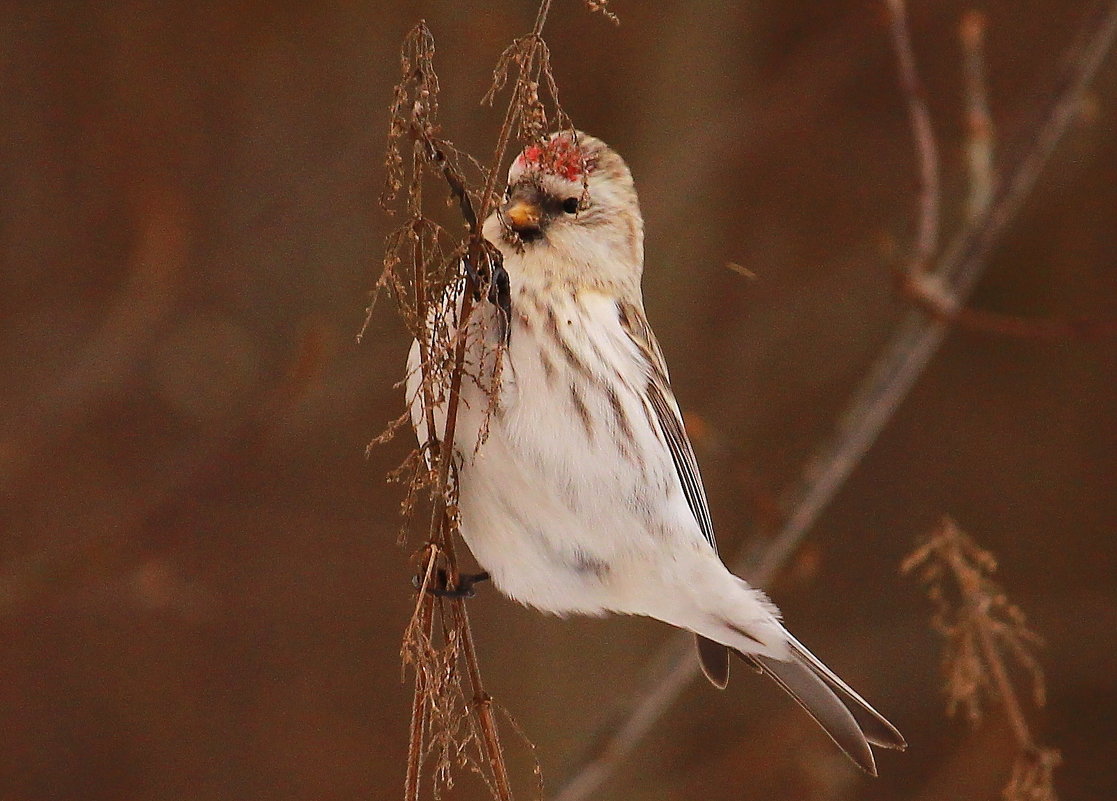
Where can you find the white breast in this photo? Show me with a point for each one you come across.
(568, 501)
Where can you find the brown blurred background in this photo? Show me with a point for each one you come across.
(201, 595)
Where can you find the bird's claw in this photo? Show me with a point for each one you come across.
(440, 587)
(496, 278)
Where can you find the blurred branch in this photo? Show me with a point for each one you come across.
(927, 151)
(895, 371)
(979, 123)
(983, 630)
(929, 293)
(134, 318)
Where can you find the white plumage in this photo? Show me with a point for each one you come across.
(585, 497)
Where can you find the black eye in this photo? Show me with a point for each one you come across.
(570, 205)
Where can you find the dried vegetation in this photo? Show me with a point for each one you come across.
(987, 641)
(426, 261)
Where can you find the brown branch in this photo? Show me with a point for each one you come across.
(923, 296)
(413, 111)
(964, 261)
(419, 716)
(482, 703)
(880, 393)
(413, 118)
(442, 526)
(912, 281)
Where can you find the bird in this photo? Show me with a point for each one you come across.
(578, 489)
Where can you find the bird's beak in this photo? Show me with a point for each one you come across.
(524, 213)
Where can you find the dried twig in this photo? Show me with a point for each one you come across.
(886, 384)
(984, 631)
(422, 261)
(417, 271)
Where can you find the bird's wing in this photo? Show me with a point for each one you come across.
(660, 399)
(713, 656)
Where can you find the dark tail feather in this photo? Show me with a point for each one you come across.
(815, 696)
(714, 658)
(842, 713)
(877, 729)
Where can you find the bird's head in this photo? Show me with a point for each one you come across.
(571, 209)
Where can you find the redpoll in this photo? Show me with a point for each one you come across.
(579, 491)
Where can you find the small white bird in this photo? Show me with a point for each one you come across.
(584, 496)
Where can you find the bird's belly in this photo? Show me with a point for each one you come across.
(562, 503)
(544, 538)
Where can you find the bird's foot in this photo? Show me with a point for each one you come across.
(440, 584)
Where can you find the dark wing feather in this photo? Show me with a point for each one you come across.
(713, 656)
(658, 396)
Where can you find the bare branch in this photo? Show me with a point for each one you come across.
(991, 205)
(422, 261)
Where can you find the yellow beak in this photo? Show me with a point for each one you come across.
(523, 215)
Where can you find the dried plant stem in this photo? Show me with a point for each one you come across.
(535, 39)
(440, 536)
(482, 705)
(872, 405)
(419, 716)
(430, 151)
(1004, 689)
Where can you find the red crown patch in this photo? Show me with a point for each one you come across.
(559, 157)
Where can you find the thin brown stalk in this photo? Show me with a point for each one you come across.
(419, 716)
(413, 110)
(1008, 325)
(482, 703)
(415, 251)
(441, 524)
(1004, 689)
(534, 41)
(871, 406)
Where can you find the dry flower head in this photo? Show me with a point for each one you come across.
(987, 636)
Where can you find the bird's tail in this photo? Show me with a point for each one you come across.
(847, 717)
